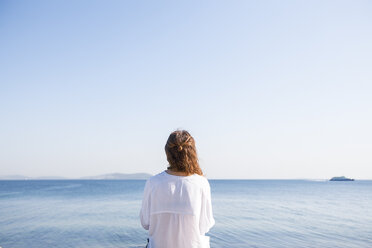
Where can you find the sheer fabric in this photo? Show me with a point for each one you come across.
(177, 211)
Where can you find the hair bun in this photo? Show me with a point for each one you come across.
(179, 148)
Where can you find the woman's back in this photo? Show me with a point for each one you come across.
(177, 211)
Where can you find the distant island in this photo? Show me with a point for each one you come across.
(111, 176)
(341, 179)
(119, 176)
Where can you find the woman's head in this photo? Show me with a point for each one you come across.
(181, 153)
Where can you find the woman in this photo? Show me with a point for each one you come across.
(176, 207)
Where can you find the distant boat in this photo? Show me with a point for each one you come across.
(341, 179)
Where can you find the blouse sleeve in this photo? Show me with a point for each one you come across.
(145, 209)
(206, 216)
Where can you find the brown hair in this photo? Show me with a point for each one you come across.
(181, 153)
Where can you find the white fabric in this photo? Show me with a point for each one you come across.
(177, 211)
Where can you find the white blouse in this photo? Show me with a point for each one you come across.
(177, 211)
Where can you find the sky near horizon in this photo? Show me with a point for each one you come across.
(268, 89)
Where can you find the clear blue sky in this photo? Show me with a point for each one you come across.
(269, 89)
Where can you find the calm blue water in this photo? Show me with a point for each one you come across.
(248, 213)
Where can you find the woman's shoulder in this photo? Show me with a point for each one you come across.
(201, 178)
(164, 176)
(201, 181)
(157, 177)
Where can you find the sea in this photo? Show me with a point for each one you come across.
(248, 213)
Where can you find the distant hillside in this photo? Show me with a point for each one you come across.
(14, 177)
(112, 176)
(120, 176)
(20, 177)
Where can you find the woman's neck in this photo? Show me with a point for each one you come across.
(177, 173)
